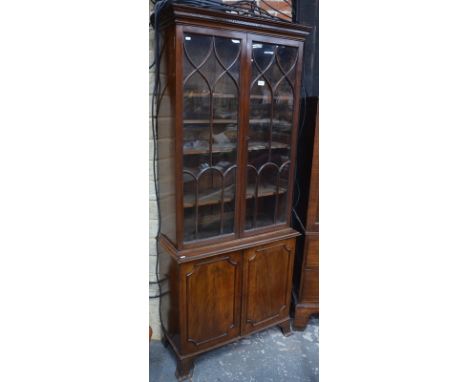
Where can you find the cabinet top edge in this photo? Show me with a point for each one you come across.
(187, 15)
(187, 255)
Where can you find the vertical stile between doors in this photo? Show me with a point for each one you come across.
(179, 108)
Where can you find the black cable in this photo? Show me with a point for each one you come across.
(276, 10)
(296, 183)
(238, 7)
(155, 129)
(299, 135)
(299, 220)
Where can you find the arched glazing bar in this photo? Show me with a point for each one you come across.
(262, 191)
(210, 129)
(218, 198)
(272, 100)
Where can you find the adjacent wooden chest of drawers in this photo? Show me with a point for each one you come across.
(307, 270)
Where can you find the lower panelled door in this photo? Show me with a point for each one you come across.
(267, 278)
(212, 303)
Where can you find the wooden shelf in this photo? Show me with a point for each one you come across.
(264, 191)
(215, 149)
(232, 96)
(253, 146)
(209, 199)
(257, 121)
(288, 98)
(215, 197)
(207, 221)
(215, 95)
(205, 121)
(253, 121)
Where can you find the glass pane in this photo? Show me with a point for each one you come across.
(287, 56)
(270, 127)
(227, 51)
(211, 104)
(283, 195)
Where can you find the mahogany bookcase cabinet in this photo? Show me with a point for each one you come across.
(229, 103)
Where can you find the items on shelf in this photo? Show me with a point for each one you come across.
(198, 145)
(221, 139)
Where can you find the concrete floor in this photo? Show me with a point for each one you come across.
(267, 356)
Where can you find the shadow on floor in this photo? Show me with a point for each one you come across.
(267, 356)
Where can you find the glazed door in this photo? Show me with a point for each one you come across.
(274, 80)
(211, 298)
(211, 89)
(267, 278)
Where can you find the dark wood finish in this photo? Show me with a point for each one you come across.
(267, 284)
(218, 289)
(246, 33)
(287, 42)
(166, 136)
(285, 328)
(186, 15)
(184, 369)
(308, 290)
(217, 283)
(179, 149)
(213, 249)
(170, 296)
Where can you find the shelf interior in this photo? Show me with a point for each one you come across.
(253, 146)
(215, 197)
(207, 121)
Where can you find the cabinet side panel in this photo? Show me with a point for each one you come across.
(309, 289)
(166, 139)
(168, 270)
(312, 212)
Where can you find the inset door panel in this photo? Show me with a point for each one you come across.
(267, 284)
(212, 303)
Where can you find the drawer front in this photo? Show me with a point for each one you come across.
(211, 294)
(312, 251)
(310, 285)
(267, 278)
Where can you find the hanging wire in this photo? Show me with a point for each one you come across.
(299, 135)
(267, 3)
(158, 7)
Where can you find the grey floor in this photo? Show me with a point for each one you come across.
(267, 356)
